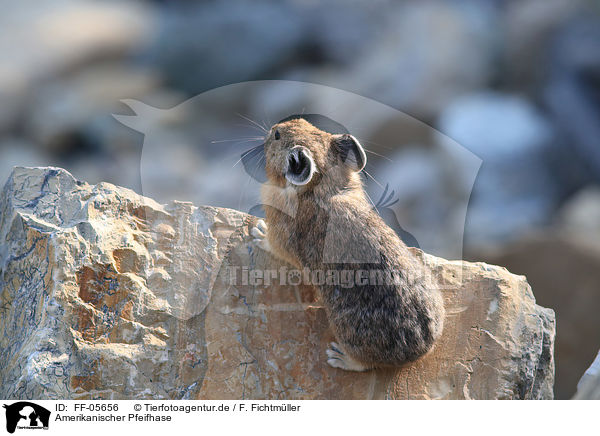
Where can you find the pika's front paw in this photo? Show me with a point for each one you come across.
(337, 358)
(259, 231)
(260, 235)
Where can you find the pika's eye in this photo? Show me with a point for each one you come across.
(277, 135)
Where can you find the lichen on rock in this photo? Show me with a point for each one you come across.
(105, 294)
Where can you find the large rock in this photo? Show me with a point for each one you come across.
(107, 294)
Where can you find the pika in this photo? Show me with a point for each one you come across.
(318, 217)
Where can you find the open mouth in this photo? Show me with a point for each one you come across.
(300, 166)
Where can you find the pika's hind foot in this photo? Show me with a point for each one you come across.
(339, 359)
(260, 235)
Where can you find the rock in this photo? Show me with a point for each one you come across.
(105, 294)
(17, 151)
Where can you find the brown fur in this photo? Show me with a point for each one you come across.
(327, 224)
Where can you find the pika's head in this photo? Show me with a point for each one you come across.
(298, 153)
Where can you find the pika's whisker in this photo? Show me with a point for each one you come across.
(264, 124)
(250, 126)
(377, 144)
(377, 154)
(379, 184)
(267, 118)
(229, 156)
(243, 192)
(251, 138)
(369, 197)
(245, 154)
(237, 162)
(253, 122)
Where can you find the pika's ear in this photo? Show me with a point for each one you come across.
(351, 151)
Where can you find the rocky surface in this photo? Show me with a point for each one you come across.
(107, 294)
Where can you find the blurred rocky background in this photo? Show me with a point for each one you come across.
(514, 83)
